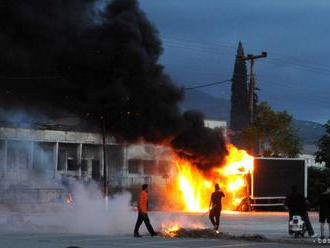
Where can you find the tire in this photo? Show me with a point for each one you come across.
(245, 208)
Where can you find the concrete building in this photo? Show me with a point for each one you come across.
(148, 164)
(310, 160)
(217, 124)
(54, 153)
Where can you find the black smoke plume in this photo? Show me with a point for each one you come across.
(68, 54)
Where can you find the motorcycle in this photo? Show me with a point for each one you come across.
(297, 226)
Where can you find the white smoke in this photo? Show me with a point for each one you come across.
(87, 215)
(90, 214)
(32, 197)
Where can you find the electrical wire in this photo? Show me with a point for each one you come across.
(208, 84)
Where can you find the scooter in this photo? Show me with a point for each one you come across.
(297, 226)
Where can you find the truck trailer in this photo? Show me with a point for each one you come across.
(271, 181)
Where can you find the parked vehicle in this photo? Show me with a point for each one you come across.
(271, 181)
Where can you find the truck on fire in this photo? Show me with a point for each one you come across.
(271, 181)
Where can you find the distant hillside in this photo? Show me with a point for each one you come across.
(219, 109)
(309, 132)
(212, 107)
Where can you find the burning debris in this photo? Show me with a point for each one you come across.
(177, 232)
(173, 231)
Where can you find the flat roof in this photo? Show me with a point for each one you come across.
(28, 134)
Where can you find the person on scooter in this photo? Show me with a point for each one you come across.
(297, 205)
(324, 214)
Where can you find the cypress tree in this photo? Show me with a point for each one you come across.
(239, 116)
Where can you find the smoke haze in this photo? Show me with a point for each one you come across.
(88, 215)
(99, 62)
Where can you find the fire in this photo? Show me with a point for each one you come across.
(236, 185)
(196, 187)
(238, 162)
(170, 231)
(193, 186)
(69, 199)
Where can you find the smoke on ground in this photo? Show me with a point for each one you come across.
(89, 214)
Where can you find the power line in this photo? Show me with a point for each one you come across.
(216, 83)
(28, 78)
(311, 66)
(207, 85)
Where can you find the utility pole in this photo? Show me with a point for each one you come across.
(105, 178)
(252, 85)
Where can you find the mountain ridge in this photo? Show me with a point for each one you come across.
(219, 109)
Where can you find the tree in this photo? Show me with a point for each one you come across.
(239, 116)
(273, 133)
(318, 181)
(323, 152)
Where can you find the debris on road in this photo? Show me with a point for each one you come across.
(208, 233)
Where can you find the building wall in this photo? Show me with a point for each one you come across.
(310, 160)
(154, 163)
(217, 124)
(49, 154)
(147, 163)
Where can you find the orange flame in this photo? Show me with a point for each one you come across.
(69, 199)
(196, 188)
(170, 231)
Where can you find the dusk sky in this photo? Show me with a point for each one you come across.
(200, 38)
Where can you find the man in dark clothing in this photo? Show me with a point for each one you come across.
(215, 206)
(324, 214)
(143, 213)
(296, 204)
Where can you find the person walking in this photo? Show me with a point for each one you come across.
(296, 204)
(216, 207)
(143, 213)
(324, 213)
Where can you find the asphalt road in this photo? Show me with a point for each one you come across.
(40, 230)
(102, 241)
(273, 225)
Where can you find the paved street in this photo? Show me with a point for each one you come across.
(273, 225)
(97, 241)
(46, 230)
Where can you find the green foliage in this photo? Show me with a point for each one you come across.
(318, 181)
(239, 116)
(323, 153)
(273, 133)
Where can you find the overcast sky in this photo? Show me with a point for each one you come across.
(200, 38)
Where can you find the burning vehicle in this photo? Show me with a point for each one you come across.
(249, 182)
(195, 186)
